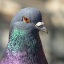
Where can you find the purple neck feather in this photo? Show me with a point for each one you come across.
(25, 57)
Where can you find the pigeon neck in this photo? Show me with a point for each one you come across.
(24, 48)
(22, 40)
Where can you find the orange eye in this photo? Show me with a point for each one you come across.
(26, 19)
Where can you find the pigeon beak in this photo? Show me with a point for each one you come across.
(40, 26)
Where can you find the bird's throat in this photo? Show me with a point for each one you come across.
(20, 40)
(23, 45)
(24, 48)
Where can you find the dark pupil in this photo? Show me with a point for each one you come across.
(26, 19)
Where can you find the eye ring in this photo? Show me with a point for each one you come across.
(26, 19)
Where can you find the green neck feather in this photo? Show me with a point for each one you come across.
(20, 40)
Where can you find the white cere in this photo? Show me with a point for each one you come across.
(39, 24)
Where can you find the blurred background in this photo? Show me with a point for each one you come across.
(53, 17)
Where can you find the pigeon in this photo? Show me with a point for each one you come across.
(24, 46)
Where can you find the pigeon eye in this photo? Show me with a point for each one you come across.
(26, 19)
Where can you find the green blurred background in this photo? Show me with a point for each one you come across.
(53, 17)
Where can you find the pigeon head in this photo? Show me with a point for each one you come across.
(29, 19)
